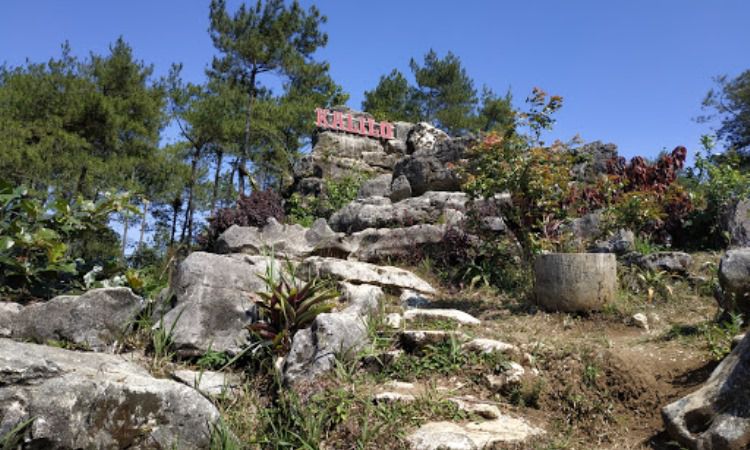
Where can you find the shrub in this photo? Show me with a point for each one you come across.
(337, 193)
(288, 307)
(253, 210)
(37, 238)
(717, 182)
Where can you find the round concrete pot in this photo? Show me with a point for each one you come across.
(575, 282)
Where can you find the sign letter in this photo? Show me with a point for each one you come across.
(322, 120)
(386, 130)
(338, 121)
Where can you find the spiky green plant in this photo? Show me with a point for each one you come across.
(288, 307)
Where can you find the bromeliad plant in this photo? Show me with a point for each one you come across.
(289, 306)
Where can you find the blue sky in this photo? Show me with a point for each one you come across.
(631, 72)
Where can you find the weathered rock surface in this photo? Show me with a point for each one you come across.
(672, 262)
(209, 383)
(363, 273)
(716, 416)
(379, 186)
(452, 315)
(512, 376)
(481, 345)
(362, 299)
(377, 244)
(473, 435)
(8, 313)
(315, 349)
(594, 158)
(95, 320)
(575, 281)
(585, 229)
(214, 301)
(380, 212)
(431, 166)
(284, 241)
(472, 405)
(619, 243)
(94, 400)
(424, 136)
(734, 281)
(737, 224)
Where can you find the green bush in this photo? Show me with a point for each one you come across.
(38, 238)
(304, 210)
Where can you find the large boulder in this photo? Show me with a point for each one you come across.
(716, 416)
(380, 212)
(734, 281)
(593, 159)
(315, 349)
(214, 301)
(737, 223)
(95, 320)
(378, 244)
(424, 136)
(379, 186)
(356, 272)
(431, 168)
(94, 400)
(283, 241)
(671, 262)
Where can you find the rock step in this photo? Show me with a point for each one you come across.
(482, 345)
(473, 435)
(453, 315)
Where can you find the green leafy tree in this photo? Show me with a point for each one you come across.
(270, 38)
(496, 113)
(730, 103)
(445, 93)
(392, 99)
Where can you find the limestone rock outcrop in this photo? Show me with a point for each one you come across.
(95, 400)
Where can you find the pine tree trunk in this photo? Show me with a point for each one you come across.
(143, 225)
(191, 203)
(175, 212)
(124, 237)
(217, 177)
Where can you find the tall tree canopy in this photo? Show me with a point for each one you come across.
(731, 102)
(444, 95)
(271, 38)
(80, 127)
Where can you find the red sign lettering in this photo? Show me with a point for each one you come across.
(366, 126)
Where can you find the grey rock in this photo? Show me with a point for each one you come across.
(401, 130)
(734, 281)
(426, 173)
(396, 146)
(362, 299)
(315, 349)
(575, 282)
(96, 319)
(373, 245)
(473, 435)
(8, 313)
(585, 229)
(363, 273)
(379, 186)
(594, 158)
(481, 345)
(737, 223)
(621, 242)
(284, 241)
(410, 299)
(512, 376)
(716, 416)
(311, 186)
(400, 188)
(452, 315)
(214, 301)
(94, 400)
(424, 136)
(379, 212)
(672, 262)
